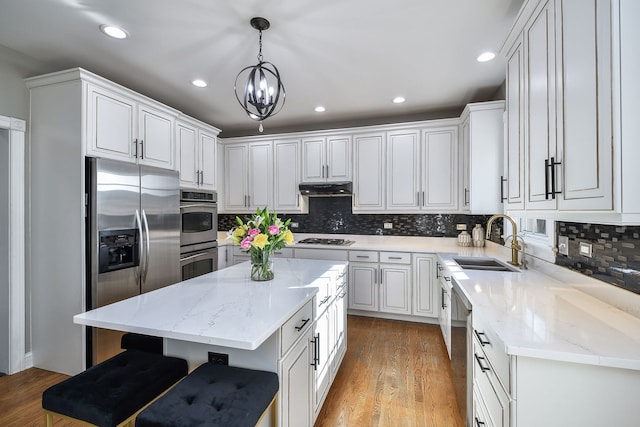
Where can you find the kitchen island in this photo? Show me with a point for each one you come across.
(258, 325)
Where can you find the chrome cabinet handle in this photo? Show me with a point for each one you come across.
(480, 361)
(423, 201)
(324, 300)
(316, 351)
(135, 144)
(466, 196)
(395, 257)
(304, 323)
(363, 256)
(479, 335)
(502, 181)
(142, 149)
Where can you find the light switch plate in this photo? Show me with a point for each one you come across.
(586, 249)
(294, 225)
(563, 245)
(461, 227)
(388, 225)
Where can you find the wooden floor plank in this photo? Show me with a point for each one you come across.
(394, 374)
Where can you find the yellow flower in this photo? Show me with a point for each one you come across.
(260, 240)
(239, 232)
(288, 237)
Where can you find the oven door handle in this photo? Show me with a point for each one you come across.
(194, 256)
(199, 205)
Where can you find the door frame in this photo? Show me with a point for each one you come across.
(18, 359)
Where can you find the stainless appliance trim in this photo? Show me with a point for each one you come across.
(198, 253)
(460, 349)
(193, 202)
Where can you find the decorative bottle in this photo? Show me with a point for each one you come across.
(478, 236)
(464, 238)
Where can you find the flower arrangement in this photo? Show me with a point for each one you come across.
(260, 235)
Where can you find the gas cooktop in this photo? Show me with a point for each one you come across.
(333, 242)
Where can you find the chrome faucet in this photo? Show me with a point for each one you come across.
(515, 246)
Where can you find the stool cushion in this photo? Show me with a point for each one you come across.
(213, 395)
(110, 392)
(132, 341)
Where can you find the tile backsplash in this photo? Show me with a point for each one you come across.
(615, 252)
(332, 215)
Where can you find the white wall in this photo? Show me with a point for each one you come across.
(14, 102)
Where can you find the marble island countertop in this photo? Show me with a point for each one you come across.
(223, 308)
(546, 311)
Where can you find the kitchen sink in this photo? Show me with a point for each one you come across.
(487, 264)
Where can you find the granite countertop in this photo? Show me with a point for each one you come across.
(546, 311)
(223, 308)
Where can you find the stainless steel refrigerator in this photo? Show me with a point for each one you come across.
(133, 222)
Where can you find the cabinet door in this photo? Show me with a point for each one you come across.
(187, 156)
(395, 289)
(514, 147)
(295, 377)
(425, 287)
(584, 113)
(465, 155)
(439, 169)
(540, 106)
(313, 161)
(260, 175)
(155, 137)
(363, 288)
(338, 162)
(207, 160)
(235, 173)
(286, 172)
(110, 125)
(403, 171)
(322, 371)
(368, 179)
(340, 322)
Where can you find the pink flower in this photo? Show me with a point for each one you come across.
(253, 232)
(246, 243)
(274, 229)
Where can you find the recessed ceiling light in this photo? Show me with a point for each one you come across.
(398, 100)
(320, 109)
(486, 56)
(199, 83)
(112, 31)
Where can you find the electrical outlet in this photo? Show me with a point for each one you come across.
(218, 358)
(563, 245)
(294, 225)
(388, 225)
(461, 227)
(586, 249)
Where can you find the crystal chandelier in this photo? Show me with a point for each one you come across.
(259, 89)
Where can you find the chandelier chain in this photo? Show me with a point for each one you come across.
(260, 44)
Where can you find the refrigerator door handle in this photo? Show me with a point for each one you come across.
(140, 254)
(146, 255)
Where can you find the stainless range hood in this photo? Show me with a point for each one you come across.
(323, 189)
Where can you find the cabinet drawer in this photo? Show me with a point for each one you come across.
(324, 296)
(395, 257)
(283, 253)
(296, 326)
(491, 392)
(493, 347)
(326, 254)
(363, 256)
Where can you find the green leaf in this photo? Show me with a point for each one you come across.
(239, 221)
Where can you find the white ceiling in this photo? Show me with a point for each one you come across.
(351, 56)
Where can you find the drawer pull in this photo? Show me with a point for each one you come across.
(363, 256)
(304, 323)
(484, 341)
(448, 279)
(395, 257)
(325, 299)
(342, 295)
(479, 423)
(480, 361)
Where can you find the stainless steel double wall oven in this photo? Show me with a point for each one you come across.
(199, 231)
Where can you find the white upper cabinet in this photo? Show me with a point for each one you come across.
(196, 152)
(482, 158)
(574, 95)
(125, 127)
(326, 159)
(235, 177)
(439, 169)
(403, 170)
(260, 189)
(368, 180)
(286, 174)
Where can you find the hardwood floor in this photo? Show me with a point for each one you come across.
(394, 374)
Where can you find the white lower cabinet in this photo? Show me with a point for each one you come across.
(382, 283)
(425, 289)
(313, 344)
(295, 377)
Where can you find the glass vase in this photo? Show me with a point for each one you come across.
(261, 266)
